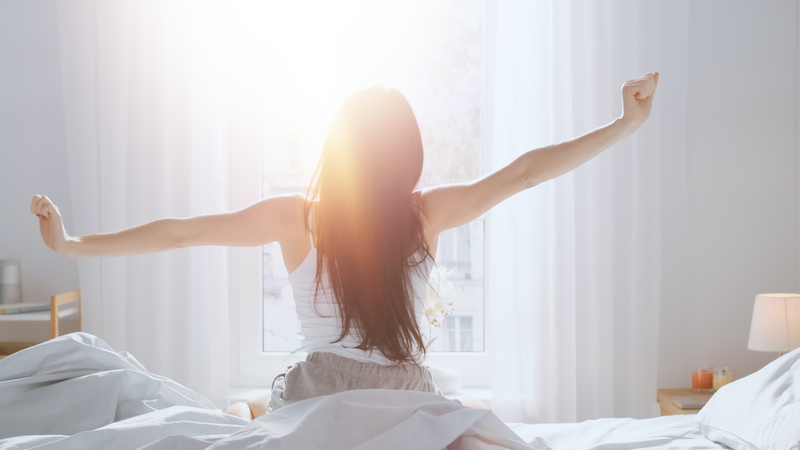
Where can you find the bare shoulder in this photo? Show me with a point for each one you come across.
(281, 216)
(293, 211)
(434, 203)
(284, 205)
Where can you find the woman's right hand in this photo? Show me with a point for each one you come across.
(50, 223)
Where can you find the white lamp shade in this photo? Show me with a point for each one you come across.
(776, 323)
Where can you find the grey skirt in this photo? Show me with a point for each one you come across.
(325, 373)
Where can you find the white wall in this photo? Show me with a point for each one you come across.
(33, 157)
(739, 224)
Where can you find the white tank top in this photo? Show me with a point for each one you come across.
(320, 320)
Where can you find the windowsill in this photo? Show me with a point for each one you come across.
(482, 393)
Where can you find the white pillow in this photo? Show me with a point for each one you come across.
(759, 411)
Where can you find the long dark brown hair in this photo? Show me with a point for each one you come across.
(370, 235)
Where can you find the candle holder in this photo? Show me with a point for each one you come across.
(722, 376)
(702, 379)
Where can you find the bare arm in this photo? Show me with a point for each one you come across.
(449, 206)
(268, 220)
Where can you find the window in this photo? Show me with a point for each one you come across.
(433, 52)
(458, 334)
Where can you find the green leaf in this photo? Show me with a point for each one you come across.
(428, 345)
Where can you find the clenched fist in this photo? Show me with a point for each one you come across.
(50, 224)
(637, 99)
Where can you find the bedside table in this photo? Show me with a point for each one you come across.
(669, 408)
(50, 317)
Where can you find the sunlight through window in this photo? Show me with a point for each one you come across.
(312, 55)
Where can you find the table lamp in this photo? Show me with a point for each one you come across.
(776, 323)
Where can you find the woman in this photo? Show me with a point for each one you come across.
(358, 247)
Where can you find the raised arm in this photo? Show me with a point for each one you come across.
(268, 220)
(449, 206)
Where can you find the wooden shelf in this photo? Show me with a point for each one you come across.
(38, 316)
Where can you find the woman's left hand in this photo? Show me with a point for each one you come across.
(637, 99)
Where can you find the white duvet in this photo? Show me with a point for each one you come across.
(75, 392)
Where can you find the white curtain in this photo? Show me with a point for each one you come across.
(159, 104)
(153, 121)
(576, 262)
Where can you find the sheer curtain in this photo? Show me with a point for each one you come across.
(576, 262)
(161, 100)
(153, 121)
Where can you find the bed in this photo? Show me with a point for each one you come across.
(76, 392)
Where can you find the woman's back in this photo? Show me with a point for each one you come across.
(319, 314)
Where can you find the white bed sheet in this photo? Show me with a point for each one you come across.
(76, 392)
(668, 432)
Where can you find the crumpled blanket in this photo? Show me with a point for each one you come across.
(76, 392)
